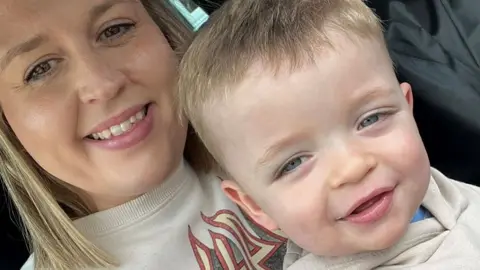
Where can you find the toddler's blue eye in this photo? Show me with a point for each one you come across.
(370, 120)
(292, 165)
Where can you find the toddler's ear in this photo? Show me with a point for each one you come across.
(248, 205)
(407, 93)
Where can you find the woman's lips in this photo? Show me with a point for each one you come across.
(135, 134)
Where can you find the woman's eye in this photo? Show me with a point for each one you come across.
(41, 70)
(292, 165)
(115, 31)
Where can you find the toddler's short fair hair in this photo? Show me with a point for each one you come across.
(277, 34)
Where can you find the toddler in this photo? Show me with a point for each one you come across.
(298, 103)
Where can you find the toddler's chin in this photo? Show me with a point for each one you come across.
(388, 239)
(347, 244)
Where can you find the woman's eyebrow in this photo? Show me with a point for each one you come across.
(24, 47)
(98, 10)
(36, 41)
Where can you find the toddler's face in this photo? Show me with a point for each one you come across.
(330, 154)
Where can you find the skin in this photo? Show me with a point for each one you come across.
(302, 148)
(88, 69)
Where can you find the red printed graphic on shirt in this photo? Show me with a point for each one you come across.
(235, 247)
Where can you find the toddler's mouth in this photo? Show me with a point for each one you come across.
(371, 208)
(364, 206)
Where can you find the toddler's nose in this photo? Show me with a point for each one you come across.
(350, 168)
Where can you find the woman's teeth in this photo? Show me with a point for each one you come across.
(121, 128)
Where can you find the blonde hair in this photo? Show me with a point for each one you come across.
(276, 33)
(47, 205)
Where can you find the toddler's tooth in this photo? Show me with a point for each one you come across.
(95, 136)
(133, 119)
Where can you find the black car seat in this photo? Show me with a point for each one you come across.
(13, 251)
(435, 45)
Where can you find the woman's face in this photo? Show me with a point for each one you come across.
(87, 87)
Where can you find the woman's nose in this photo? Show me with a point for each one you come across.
(97, 81)
(350, 167)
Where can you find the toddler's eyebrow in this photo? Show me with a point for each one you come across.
(371, 93)
(278, 146)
